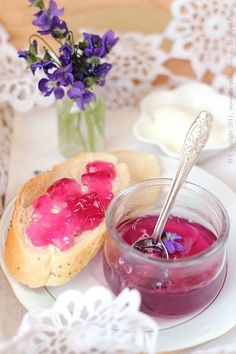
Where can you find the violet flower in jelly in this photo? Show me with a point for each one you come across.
(75, 67)
(171, 242)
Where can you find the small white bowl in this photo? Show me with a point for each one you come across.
(167, 115)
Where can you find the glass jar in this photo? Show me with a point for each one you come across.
(80, 130)
(168, 287)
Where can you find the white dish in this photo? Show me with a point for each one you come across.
(214, 321)
(164, 108)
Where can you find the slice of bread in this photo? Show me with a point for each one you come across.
(39, 266)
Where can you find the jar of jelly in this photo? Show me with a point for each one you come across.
(195, 236)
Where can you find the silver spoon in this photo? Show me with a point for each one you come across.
(194, 142)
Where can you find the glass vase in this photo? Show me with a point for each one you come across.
(79, 130)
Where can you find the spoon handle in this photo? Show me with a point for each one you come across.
(195, 140)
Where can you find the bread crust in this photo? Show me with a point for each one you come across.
(140, 164)
(40, 266)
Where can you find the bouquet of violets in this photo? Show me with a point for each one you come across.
(73, 71)
(77, 66)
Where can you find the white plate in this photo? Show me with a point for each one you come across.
(214, 321)
(191, 97)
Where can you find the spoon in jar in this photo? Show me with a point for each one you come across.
(194, 142)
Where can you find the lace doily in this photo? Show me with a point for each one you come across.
(92, 323)
(6, 122)
(18, 86)
(137, 62)
(86, 323)
(202, 32)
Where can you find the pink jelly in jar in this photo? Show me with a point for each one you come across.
(195, 236)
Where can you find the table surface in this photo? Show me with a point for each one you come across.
(34, 147)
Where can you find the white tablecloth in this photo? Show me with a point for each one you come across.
(35, 148)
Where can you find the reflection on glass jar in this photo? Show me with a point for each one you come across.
(187, 282)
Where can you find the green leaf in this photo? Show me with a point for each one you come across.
(93, 60)
(38, 3)
(82, 45)
(46, 56)
(30, 61)
(58, 33)
(33, 49)
(90, 81)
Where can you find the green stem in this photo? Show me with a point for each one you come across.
(79, 131)
(48, 46)
(72, 38)
(98, 115)
(58, 41)
(90, 130)
(65, 124)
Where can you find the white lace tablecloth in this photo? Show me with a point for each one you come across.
(35, 148)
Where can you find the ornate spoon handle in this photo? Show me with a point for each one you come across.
(195, 140)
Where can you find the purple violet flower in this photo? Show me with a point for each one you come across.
(66, 56)
(63, 75)
(77, 67)
(81, 94)
(108, 41)
(45, 65)
(48, 87)
(94, 45)
(99, 46)
(32, 52)
(48, 21)
(23, 54)
(58, 28)
(42, 21)
(101, 71)
(53, 9)
(170, 240)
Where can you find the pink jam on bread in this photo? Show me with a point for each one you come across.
(64, 211)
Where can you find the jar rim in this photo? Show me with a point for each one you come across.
(189, 186)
